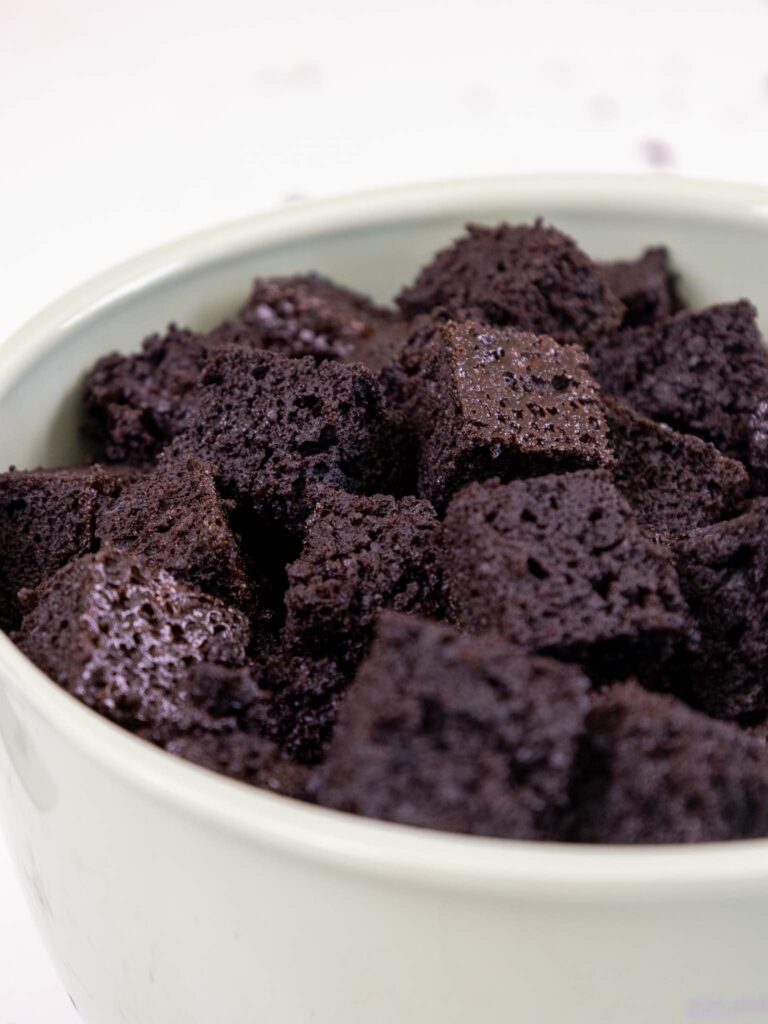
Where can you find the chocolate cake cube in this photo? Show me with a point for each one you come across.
(558, 564)
(228, 736)
(652, 770)
(137, 403)
(360, 555)
(311, 316)
(496, 402)
(47, 518)
(468, 734)
(723, 573)
(646, 286)
(674, 483)
(530, 277)
(176, 520)
(123, 638)
(701, 373)
(303, 692)
(275, 428)
(245, 756)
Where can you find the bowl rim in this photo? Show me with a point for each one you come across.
(344, 841)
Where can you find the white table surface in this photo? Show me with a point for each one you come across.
(124, 124)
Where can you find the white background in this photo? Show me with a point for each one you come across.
(125, 124)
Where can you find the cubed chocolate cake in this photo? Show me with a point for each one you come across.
(123, 637)
(137, 403)
(261, 582)
(559, 564)
(227, 736)
(175, 518)
(245, 756)
(274, 427)
(497, 402)
(303, 696)
(533, 278)
(311, 316)
(360, 555)
(652, 770)
(47, 518)
(463, 733)
(673, 482)
(702, 373)
(724, 575)
(646, 286)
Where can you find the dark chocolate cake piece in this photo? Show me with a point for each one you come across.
(533, 278)
(702, 373)
(558, 564)
(723, 573)
(274, 428)
(47, 518)
(447, 731)
(360, 555)
(228, 737)
(123, 638)
(245, 756)
(285, 696)
(303, 694)
(311, 316)
(175, 518)
(137, 403)
(674, 482)
(497, 402)
(646, 286)
(652, 770)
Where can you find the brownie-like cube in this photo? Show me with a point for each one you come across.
(286, 696)
(655, 771)
(47, 518)
(468, 734)
(137, 403)
(531, 277)
(274, 428)
(559, 564)
(724, 576)
(122, 637)
(646, 286)
(303, 696)
(175, 518)
(360, 555)
(674, 482)
(497, 402)
(246, 756)
(227, 735)
(702, 373)
(311, 316)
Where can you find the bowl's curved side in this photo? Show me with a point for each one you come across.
(171, 894)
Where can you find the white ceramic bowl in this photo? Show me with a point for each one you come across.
(170, 895)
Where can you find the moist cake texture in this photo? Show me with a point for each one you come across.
(494, 561)
(646, 287)
(558, 564)
(497, 402)
(464, 733)
(534, 278)
(702, 373)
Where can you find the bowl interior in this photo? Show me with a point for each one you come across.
(719, 242)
